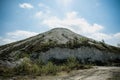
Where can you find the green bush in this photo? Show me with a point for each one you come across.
(49, 68)
(71, 62)
(27, 67)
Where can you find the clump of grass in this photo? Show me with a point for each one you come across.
(49, 68)
(71, 62)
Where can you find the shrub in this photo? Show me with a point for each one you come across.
(71, 62)
(27, 67)
(49, 68)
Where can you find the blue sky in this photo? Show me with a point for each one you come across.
(97, 19)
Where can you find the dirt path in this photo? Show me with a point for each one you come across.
(96, 73)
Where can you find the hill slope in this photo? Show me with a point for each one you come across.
(59, 43)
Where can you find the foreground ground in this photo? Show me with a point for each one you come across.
(95, 73)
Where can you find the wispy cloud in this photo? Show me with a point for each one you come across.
(15, 36)
(43, 6)
(21, 34)
(5, 40)
(65, 2)
(39, 14)
(73, 22)
(44, 12)
(26, 5)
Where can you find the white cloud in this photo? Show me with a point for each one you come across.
(43, 6)
(117, 35)
(115, 39)
(65, 2)
(5, 41)
(71, 15)
(73, 22)
(8, 40)
(112, 39)
(26, 5)
(39, 14)
(15, 36)
(44, 12)
(99, 36)
(42, 15)
(21, 34)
